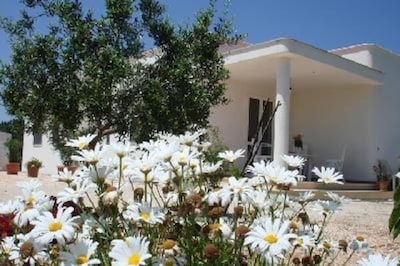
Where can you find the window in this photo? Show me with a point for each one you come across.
(37, 139)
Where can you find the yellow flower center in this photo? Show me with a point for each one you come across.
(30, 200)
(182, 160)
(299, 241)
(82, 145)
(326, 179)
(81, 260)
(271, 238)
(360, 238)
(134, 259)
(55, 226)
(326, 245)
(145, 216)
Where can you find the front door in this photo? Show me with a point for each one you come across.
(256, 109)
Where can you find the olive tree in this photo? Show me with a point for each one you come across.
(90, 73)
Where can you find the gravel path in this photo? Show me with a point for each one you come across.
(367, 218)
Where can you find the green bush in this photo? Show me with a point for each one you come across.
(14, 150)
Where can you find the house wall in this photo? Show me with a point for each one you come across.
(44, 152)
(317, 113)
(3, 150)
(384, 107)
(331, 119)
(231, 120)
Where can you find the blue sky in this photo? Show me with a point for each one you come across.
(325, 24)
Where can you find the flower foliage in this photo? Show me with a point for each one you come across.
(161, 203)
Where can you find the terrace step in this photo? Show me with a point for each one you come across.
(352, 194)
(346, 186)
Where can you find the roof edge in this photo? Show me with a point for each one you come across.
(363, 47)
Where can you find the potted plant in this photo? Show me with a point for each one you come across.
(33, 167)
(383, 175)
(14, 156)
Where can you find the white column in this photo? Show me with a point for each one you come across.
(281, 121)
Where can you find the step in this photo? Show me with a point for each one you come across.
(352, 194)
(345, 186)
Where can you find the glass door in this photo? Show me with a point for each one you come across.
(256, 110)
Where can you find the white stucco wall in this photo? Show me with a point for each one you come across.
(44, 152)
(384, 107)
(331, 118)
(232, 119)
(385, 111)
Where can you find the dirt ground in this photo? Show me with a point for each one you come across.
(367, 218)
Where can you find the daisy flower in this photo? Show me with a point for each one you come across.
(90, 156)
(260, 169)
(231, 156)
(269, 236)
(80, 253)
(293, 161)
(82, 141)
(28, 251)
(131, 251)
(29, 186)
(304, 241)
(30, 206)
(209, 168)
(8, 207)
(212, 197)
(64, 176)
(119, 149)
(183, 157)
(359, 243)
(328, 175)
(236, 189)
(378, 259)
(47, 227)
(6, 245)
(189, 138)
(76, 192)
(223, 226)
(340, 200)
(144, 213)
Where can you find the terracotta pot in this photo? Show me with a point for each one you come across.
(383, 185)
(13, 168)
(33, 171)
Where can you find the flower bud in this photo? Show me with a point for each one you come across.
(27, 250)
(238, 211)
(138, 193)
(168, 244)
(210, 251)
(216, 212)
(241, 230)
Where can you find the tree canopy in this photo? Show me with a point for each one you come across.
(91, 74)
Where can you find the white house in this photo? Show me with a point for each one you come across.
(340, 100)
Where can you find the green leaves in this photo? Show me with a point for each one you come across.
(394, 220)
(87, 68)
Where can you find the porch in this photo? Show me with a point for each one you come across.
(322, 96)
